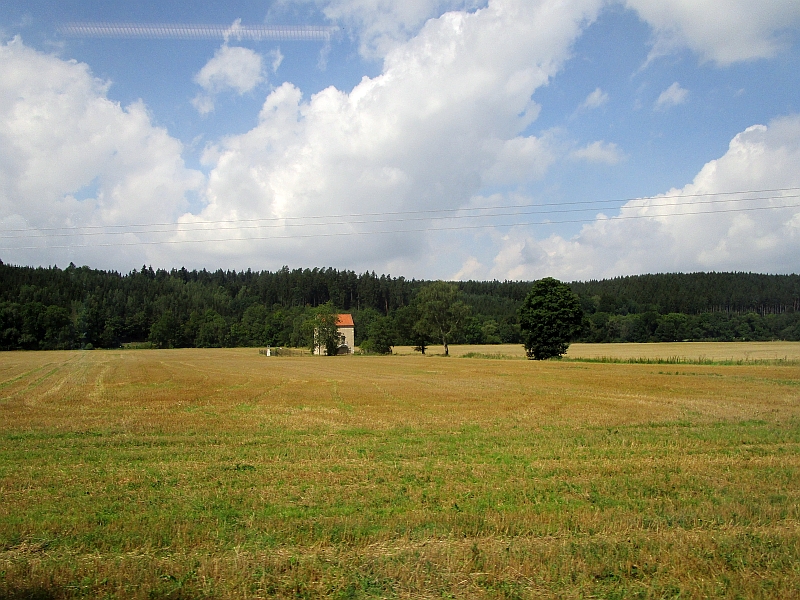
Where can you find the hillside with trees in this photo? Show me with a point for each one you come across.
(80, 307)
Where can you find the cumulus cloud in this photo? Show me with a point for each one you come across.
(231, 68)
(742, 30)
(445, 115)
(470, 269)
(69, 156)
(382, 25)
(737, 30)
(672, 96)
(522, 159)
(595, 100)
(599, 152)
(693, 228)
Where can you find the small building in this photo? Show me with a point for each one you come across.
(347, 329)
(347, 336)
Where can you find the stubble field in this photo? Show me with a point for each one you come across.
(224, 473)
(666, 351)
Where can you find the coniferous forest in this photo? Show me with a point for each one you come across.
(80, 307)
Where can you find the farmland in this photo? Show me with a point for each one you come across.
(222, 473)
(664, 351)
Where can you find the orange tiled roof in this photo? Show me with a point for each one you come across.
(344, 321)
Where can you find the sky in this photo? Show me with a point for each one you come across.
(434, 139)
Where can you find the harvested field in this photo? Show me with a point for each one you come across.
(692, 351)
(227, 474)
(686, 351)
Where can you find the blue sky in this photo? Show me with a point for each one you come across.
(429, 138)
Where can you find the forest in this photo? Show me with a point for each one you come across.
(43, 308)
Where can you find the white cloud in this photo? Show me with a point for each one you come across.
(203, 103)
(69, 156)
(382, 25)
(522, 159)
(651, 237)
(470, 269)
(599, 152)
(277, 59)
(595, 100)
(233, 31)
(445, 114)
(725, 33)
(232, 67)
(672, 96)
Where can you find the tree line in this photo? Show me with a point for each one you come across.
(80, 307)
(692, 306)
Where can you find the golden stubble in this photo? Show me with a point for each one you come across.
(205, 390)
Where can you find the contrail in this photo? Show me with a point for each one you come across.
(179, 31)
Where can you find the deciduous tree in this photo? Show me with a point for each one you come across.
(550, 317)
(380, 336)
(441, 312)
(323, 329)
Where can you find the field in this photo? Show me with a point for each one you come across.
(227, 474)
(683, 351)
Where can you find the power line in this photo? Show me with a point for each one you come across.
(448, 213)
(191, 227)
(390, 232)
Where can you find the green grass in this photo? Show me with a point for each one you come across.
(361, 514)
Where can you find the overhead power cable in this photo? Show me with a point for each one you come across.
(403, 216)
(191, 227)
(391, 232)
